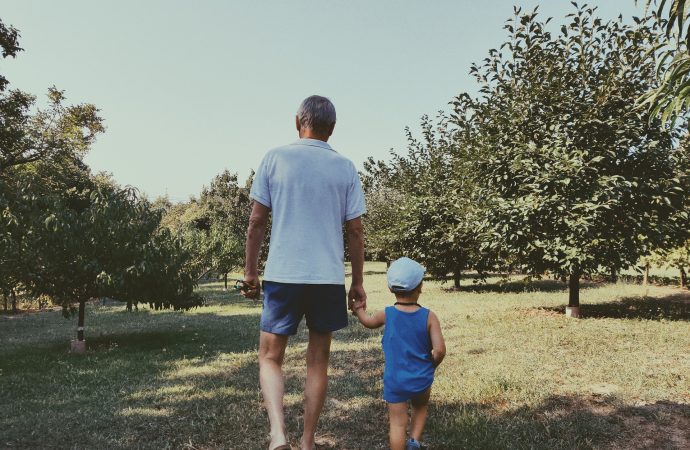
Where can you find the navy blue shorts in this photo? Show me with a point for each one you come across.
(324, 306)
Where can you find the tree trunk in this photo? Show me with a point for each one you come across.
(4, 296)
(645, 277)
(388, 263)
(14, 301)
(683, 278)
(80, 323)
(614, 275)
(574, 289)
(225, 278)
(129, 306)
(457, 274)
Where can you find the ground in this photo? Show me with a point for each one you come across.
(518, 373)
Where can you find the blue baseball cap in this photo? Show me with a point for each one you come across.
(405, 274)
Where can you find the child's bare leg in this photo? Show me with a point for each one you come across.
(420, 407)
(397, 415)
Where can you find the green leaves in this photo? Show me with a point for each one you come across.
(51, 223)
(571, 169)
(425, 204)
(9, 42)
(669, 100)
(213, 228)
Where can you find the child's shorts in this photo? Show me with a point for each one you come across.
(398, 396)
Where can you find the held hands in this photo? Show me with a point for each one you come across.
(357, 298)
(357, 305)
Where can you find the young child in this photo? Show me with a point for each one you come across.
(413, 347)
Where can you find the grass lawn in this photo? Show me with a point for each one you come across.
(518, 373)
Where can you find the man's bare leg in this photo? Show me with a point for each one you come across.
(315, 388)
(271, 354)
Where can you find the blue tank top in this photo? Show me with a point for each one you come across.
(409, 366)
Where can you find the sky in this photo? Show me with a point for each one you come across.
(189, 89)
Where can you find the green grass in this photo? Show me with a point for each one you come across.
(518, 373)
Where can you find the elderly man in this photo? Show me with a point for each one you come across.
(311, 191)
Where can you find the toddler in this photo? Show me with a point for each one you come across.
(413, 347)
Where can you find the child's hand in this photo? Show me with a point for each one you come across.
(357, 305)
(374, 320)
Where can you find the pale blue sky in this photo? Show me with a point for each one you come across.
(188, 89)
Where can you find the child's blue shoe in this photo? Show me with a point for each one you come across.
(413, 444)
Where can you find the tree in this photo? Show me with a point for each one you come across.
(213, 227)
(65, 233)
(381, 220)
(9, 42)
(104, 241)
(228, 205)
(34, 143)
(27, 137)
(433, 213)
(578, 179)
(9, 248)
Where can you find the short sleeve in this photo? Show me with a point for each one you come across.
(356, 205)
(260, 190)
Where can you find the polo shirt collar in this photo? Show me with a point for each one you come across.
(313, 143)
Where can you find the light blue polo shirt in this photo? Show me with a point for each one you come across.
(312, 191)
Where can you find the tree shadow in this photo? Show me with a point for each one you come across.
(559, 422)
(673, 308)
(145, 341)
(241, 335)
(520, 286)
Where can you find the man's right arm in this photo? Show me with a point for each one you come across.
(258, 221)
(354, 230)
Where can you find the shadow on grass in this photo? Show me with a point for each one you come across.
(560, 422)
(150, 333)
(519, 286)
(673, 307)
(144, 341)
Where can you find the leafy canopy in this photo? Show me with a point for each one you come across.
(578, 178)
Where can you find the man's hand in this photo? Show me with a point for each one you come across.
(357, 297)
(251, 289)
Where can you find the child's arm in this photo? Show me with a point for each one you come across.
(370, 321)
(438, 344)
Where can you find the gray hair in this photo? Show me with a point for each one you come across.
(317, 113)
